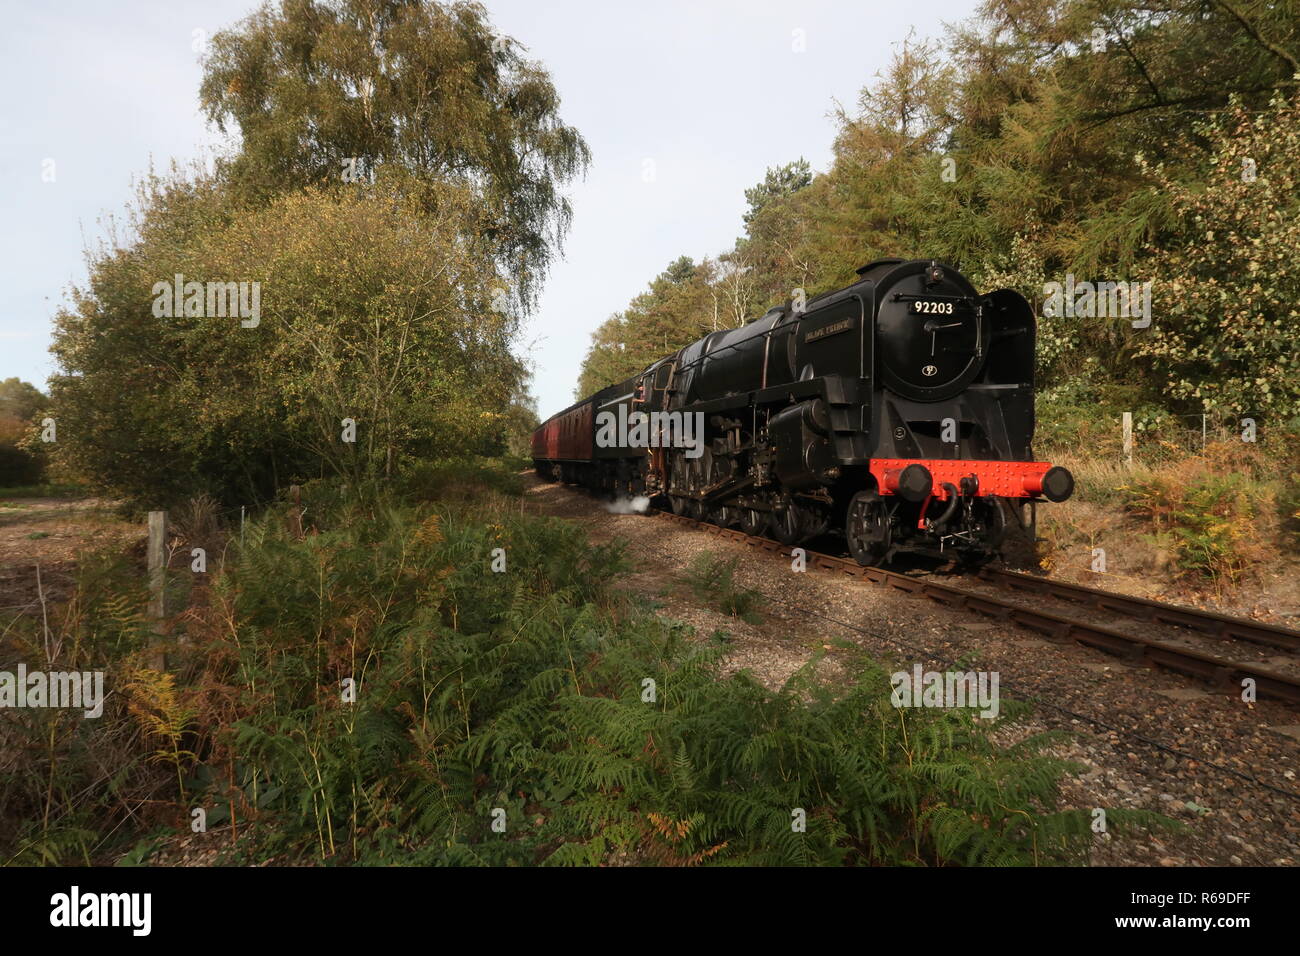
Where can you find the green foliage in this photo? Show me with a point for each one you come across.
(1210, 520)
(1084, 413)
(1093, 137)
(519, 696)
(21, 400)
(683, 302)
(713, 578)
(523, 692)
(395, 192)
(428, 89)
(1227, 335)
(463, 480)
(372, 309)
(779, 181)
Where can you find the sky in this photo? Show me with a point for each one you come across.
(684, 103)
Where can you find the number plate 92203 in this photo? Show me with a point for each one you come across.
(928, 307)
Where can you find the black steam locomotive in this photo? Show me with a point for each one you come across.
(898, 410)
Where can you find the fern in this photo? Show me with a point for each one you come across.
(521, 692)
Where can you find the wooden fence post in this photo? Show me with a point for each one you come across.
(1128, 439)
(157, 584)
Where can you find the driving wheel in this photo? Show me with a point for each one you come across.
(866, 529)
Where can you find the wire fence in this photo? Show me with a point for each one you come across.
(230, 522)
(1195, 433)
(1156, 438)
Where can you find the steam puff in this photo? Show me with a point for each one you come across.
(628, 506)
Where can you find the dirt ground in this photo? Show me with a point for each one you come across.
(1269, 591)
(50, 534)
(1146, 738)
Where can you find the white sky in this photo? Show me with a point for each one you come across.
(712, 91)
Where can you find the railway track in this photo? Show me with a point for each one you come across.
(1208, 665)
(1207, 622)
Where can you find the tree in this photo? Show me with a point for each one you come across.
(1227, 334)
(373, 310)
(394, 197)
(678, 308)
(20, 400)
(326, 90)
(779, 181)
(1049, 138)
(681, 269)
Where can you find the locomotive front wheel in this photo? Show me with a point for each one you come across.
(866, 528)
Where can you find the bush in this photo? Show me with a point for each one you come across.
(1212, 520)
(353, 324)
(1226, 336)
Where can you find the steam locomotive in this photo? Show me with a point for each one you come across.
(898, 411)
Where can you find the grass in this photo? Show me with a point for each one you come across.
(1216, 517)
(42, 491)
(464, 481)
